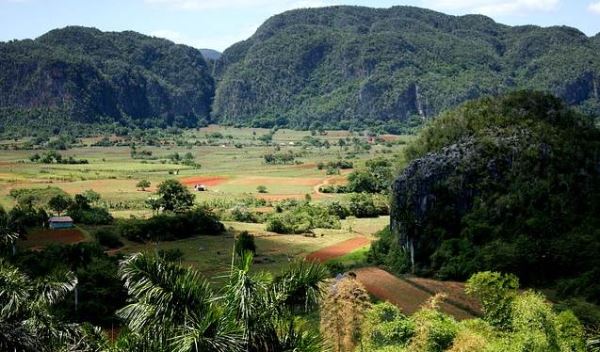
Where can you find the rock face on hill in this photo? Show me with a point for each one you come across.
(79, 74)
(344, 66)
(509, 184)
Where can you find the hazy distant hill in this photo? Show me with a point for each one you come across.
(79, 74)
(344, 66)
(210, 54)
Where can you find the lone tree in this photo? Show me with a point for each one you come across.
(174, 196)
(92, 196)
(59, 203)
(261, 189)
(143, 184)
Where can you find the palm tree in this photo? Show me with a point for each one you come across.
(173, 308)
(8, 235)
(26, 322)
(266, 308)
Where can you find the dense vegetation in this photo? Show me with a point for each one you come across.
(343, 66)
(335, 67)
(173, 308)
(509, 184)
(529, 324)
(75, 76)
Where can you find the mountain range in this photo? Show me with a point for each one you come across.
(334, 67)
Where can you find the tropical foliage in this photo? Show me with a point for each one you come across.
(508, 184)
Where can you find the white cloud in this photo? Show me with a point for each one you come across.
(240, 4)
(221, 42)
(217, 42)
(594, 7)
(493, 7)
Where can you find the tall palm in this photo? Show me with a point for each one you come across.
(8, 234)
(26, 322)
(173, 308)
(266, 308)
(246, 298)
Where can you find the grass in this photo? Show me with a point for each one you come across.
(353, 259)
(113, 173)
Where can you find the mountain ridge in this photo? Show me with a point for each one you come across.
(82, 74)
(346, 65)
(334, 67)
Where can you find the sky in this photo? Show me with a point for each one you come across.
(217, 24)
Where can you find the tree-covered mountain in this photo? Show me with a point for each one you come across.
(510, 184)
(82, 75)
(342, 66)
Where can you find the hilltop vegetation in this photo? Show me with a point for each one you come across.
(336, 67)
(509, 184)
(76, 76)
(344, 66)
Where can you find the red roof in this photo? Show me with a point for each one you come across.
(60, 219)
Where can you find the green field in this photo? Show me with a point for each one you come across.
(232, 166)
(113, 173)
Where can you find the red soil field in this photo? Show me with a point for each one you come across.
(454, 290)
(289, 181)
(339, 249)
(203, 180)
(45, 237)
(401, 293)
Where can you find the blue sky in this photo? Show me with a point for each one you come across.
(219, 23)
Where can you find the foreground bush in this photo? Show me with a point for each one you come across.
(531, 324)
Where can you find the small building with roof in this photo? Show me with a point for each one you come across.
(60, 222)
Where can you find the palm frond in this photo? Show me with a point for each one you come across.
(295, 337)
(212, 332)
(54, 288)
(300, 286)
(161, 291)
(14, 290)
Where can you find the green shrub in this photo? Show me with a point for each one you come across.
(108, 238)
(496, 292)
(302, 219)
(171, 226)
(244, 242)
(243, 214)
(362, 206)
(171, 255)
(385, 326)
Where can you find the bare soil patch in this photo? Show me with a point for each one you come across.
(453, 289)
(204, 180)
(401, 293)
(265, 180)
(43, 237)
(339, 249)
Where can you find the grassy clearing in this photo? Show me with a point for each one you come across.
(232, 166)
(353, 259)
(113, 173)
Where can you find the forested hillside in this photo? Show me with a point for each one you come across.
(509, 184)
(82, 75)
(335, 67)
(350, 66)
